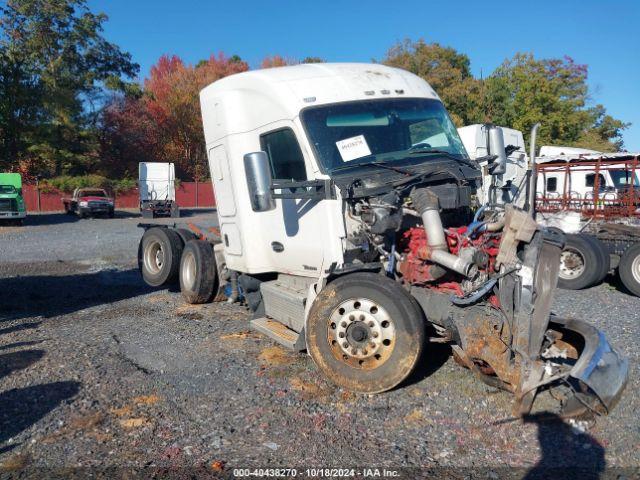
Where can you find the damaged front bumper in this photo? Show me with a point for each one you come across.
(599, 375)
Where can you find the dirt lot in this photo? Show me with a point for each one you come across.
(99, 371)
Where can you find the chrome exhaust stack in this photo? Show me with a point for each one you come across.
(427, 204)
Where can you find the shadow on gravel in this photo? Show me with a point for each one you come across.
(22, 407)
(14, 361)
(18, 328)
(20, 344)
(566, 452)
(435, 355)
(50, 296)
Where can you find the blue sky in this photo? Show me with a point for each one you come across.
(602, 34)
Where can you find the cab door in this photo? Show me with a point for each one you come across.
(300, 231)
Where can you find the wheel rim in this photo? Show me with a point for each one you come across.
(572, 264)
(188, 273)
(635, 268)
(154, 257)
(361, 333)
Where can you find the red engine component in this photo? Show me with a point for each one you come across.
(417, 270)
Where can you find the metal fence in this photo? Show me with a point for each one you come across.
(188, 195)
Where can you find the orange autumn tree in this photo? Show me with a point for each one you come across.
(277, 61)
(172, 99)
(164, 122)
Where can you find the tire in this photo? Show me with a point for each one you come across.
(388, 343)
(629, 269)
(112, 214)
(159, 255)
(581, 263)
(198, 274)
(185, 235)
(605, 261)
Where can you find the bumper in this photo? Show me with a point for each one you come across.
(95, 210)
(12, 215)
(600, 374)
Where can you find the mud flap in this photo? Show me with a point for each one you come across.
(599, 375)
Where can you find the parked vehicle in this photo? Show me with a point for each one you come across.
(508, 187)
(347, 233)
(157, 184)
(12, 208)
(607, 210)
(89, 202)
(593, 197)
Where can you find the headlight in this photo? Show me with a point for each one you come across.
(84, 204)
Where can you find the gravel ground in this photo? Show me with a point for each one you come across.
(99, 371)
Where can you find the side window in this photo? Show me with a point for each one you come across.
(284, 154)
(552, 184)
(590, 180)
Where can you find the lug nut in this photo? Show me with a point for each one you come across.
(361, 317)
(341, 334)
(345, 344)
(354, 351)
(373, 345)
(352, 318)
(343, 324)
(375, 334)
(371, 324)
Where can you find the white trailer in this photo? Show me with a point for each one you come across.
(347, 224)
(157, 185)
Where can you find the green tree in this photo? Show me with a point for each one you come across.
(54, 68)
(554, 92)
(519, 93)
(446, 70)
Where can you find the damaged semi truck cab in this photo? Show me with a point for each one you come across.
(348, 222)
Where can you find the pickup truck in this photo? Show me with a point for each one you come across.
(89, 202)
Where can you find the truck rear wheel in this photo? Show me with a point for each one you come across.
(365, 332)
(198, 274)
(159, 256)
(629, 269)
(581, 263)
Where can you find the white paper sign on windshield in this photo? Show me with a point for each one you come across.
(352, 148)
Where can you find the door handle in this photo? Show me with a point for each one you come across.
(277, 247)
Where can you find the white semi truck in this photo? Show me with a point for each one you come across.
(348, 225)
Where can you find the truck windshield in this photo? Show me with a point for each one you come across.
(622, 178)
(7, 189)
(387, 130)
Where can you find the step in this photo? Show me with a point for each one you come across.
(284, 302)
(280, 333)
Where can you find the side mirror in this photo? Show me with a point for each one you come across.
(496, 147)
(258, 172)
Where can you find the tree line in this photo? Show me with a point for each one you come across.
(71, 103)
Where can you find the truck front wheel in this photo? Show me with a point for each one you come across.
(198, 274)
(159, 256)
(629, 269)
(365, 332)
